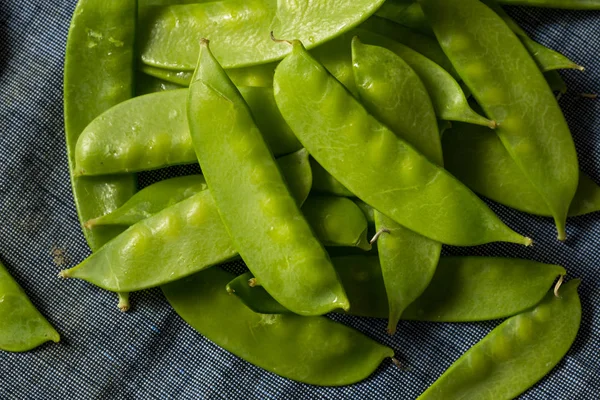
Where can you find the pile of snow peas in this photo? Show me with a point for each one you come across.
(341, 145)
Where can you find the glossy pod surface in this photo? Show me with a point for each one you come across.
(516, 354)
(22, 327)
(98, 75)
(240, 29)
(264, 222)
(511, 89)
(313, 350)
(151, 132)
(394, 178)
(463, 289)
(479, 159)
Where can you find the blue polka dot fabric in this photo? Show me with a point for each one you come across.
(150, 353)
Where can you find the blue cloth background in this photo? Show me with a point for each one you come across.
(150, 353)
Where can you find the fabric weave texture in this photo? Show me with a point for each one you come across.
(150, 353)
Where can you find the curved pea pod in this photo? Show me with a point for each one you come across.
(511, 89)
(254, 202)
(569, 5)
(151, 132)
(515, 355)
(479, 159)
(23, 327)
(255, 76)
(337, 221)
(463, 289)
(313, 350)
(240, 29)
(155, 198)
(393, 177)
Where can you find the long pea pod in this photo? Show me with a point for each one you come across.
(515, 355)
(151, 132)
(313, 350)
(22, 326)
(240, 29)
(393, 93)
(393, 177)
(511, 89)
(463, 289)
(479, 159)
(98, 74)
(263, 220)
(566, 4)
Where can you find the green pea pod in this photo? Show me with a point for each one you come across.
(146, 84)
(511, 89)
(155, 198)
(263, 220)
(393, 177)
(256, 76)
(556, 82)
(479, 159)
(394, 94)
(337, 221)
(367, 210)
(406, 13)
(240, 29)
(515, 355)
(313, 350)
(324, 183)
(23, 327)
(151, 132)
(463, 289)
(566, 4)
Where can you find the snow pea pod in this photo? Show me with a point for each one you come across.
(511, 89)
(463, 289)
(239, 29)
(263, 220)
(23, 327)
(151, 132)
(515, 355)
(393, 93)
(155, 198)
(313, 350)
(93, 83)
(394, 178)
(479, 159)
(566, 4)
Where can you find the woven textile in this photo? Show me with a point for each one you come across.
(150, 353)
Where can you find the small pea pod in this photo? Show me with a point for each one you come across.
(569, 5)
(163, 194)
(393, 177)
(151, 132)
(313, 350)
(240, 29)
(515, 355)
(479, 159)
(263, 220)
(23, 327)
(463, 289)
(394, 94)
(511, 89)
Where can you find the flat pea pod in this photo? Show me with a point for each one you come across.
(313, 350)
(93, 83)
(263, 220)
(255, 76)
(511, 89)
(240, 29)
(479, 159)
(515, 355)
(566, 4)
(163, 194)
(394, 94)
(23, 327)
(393, 177)
(337, 221)
(151, 132)
(463, 289)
